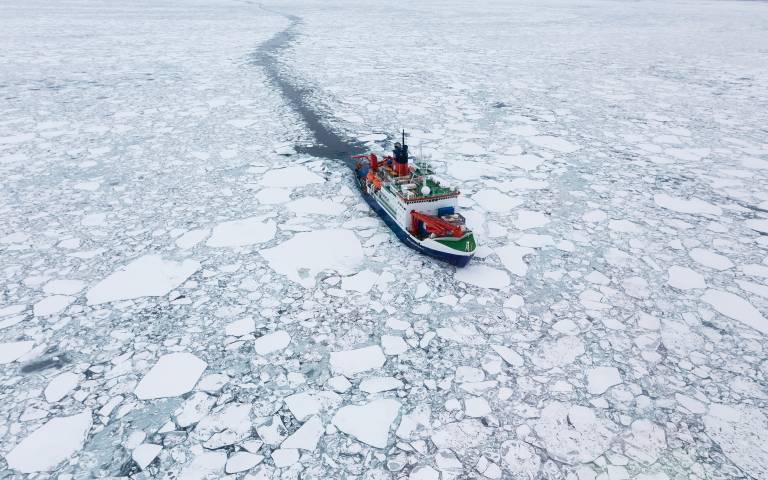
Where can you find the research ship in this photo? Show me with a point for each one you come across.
(416, 205)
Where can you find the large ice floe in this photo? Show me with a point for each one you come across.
(305, 255)
(147, 276)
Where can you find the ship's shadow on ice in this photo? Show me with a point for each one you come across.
(328, 144)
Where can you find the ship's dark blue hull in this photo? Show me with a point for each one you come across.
(457, 260)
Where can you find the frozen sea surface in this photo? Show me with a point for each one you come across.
(188, 291)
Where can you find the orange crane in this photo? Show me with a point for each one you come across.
(435, 225)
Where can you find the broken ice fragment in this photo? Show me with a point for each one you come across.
(242, 461)
(60, 386)
(238, 233)
(12, 351)
(308, 253)
(51, 444)
(174, 374)
(380, 384)
(351, 362)
(735, 307)
(573, 434)
(482, 276)
(147, 276)
(307, 436)
(145, 453)
(600, 379)
(272, 342)
(370, 422)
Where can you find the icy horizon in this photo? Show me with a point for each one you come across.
(192, 287)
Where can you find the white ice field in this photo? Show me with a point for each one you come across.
(183, 296)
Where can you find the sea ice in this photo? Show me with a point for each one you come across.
(735, 307)
(145, 453)
(285, 457)
(12, 351)
(311, 402)
(476, 407)
(370, 423)
(393, 344)
(242, 461)
(710, 259)
(317, 206)
(147, 276)
(60, 386)
(308, 253)
(508, 355)
(192, 238)
(530, 219)
(573, 434)
(758, 225)
(600, 379)
(290, 177)
(554, 143)
(241, 327)
(238, 233)
(206, 465)
(683, 278)
(380, 384)
(360, 282)
(272, 342)
(513, 258)
(51, 444)
(52, 305)
(351, 362)
(482, 276)
(174, 374)
(273, 196)
(741, 431)
(307, 436)
(693, 205)
(63, 287)
(492, 200)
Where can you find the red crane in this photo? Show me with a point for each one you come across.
(435, 225)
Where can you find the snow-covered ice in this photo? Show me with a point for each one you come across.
(147, 276)
(352, 362)
(55, 441)
(308, 253)
(174, 374)
(370, 423)
(272, 342)
(164, 197)
(238, 233)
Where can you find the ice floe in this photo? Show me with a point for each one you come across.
(692, 205)
(290, 177)
(710, 259)
(735, 307)
(147, 276)
(174, 374)
(684, 278)
(352, 362)
(272, 342)
(60, 386)
(57, 440)
(741, 431)
(600, 379)
(305, 255)
(12, 351)
(483, 276)
(370, 422)
(573, 434)
(238, 233)
(307, 436)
